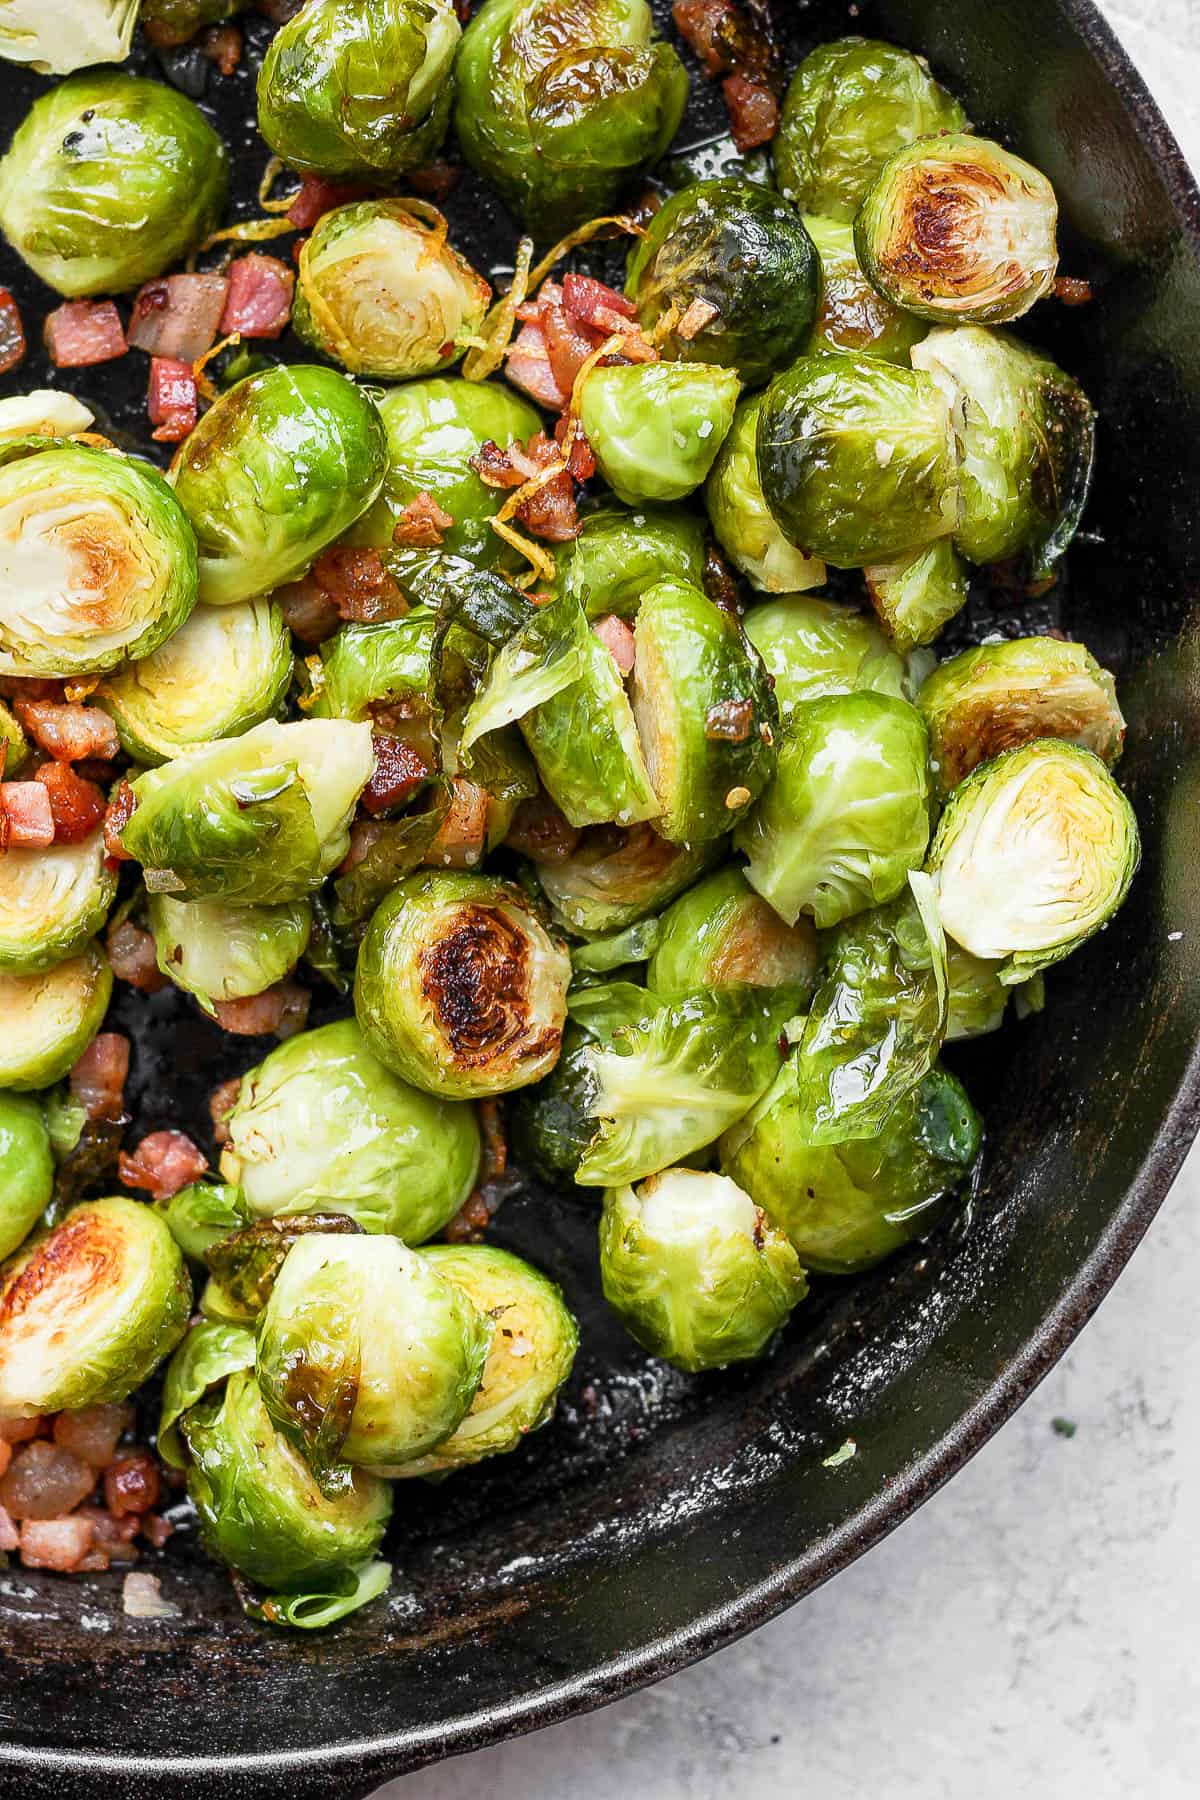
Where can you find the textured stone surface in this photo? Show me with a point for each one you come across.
(1031, 1632)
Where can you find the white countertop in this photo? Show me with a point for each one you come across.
(1031, 1633)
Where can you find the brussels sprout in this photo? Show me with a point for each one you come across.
(619, 555)
(857, 458)
(847, 1206)
(721, 934)
(814, 648)
(636, 944)
(89, 1310)
(100, 562)
(977, 997)
(44, 413)
(1035, 851)
(704, 711)
(917, 594)
(109, 181)
(217, 951)
(13, 748)
(852, 317)
(957, 228)
(847, 815)
(254, 820)
(245, 1263)
(227, 669)
(283, 464)
(534, 1339)
(60, 39)
(738, 255)
(172, 22)
(208, 1355)
(695, 1271)
(385, 667)
(1026, 434)
(1001, 695)
(434, 428)
(260, 1509)
(366, 1354)
(850, 105)
(558, 105)
(551, 1124)
(359, 89)
(200, 1215)
(52, 901)
(655, 428)
(51, 1018)
(742, 521)
(616, 877)
(384, 294)
(459, 988)
(585, 744)
(321, 1126)
(26, 1169)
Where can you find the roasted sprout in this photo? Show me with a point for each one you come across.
(852, 104)
(359, 89)
(551, 1123)
(957, 228)
(89, 1310)
(202, 1213)
(620, 555)
(695, 1271)
(1035, 851)
(918, 594)
(51, 1018)
(99, 560)
(558, 106)
(172, 22)
(459, 988)
(208, 1355)
(283, 464)
(26, 1169)
(853, 318)
(614, 877)
(735, 269)
(109, 180)
(61, 39)
(585, 744)
(742, 521)
(52, 901)
(721, 934)
(218, 952)
(384, 293)
(655, 428)
(364, 669)
(814, 648)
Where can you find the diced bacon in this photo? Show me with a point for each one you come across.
(131, 1484)
(528, 368)
(12, 333)
(568, 345)
(359, 585)
(61, 1544)
(308, 612)
(121, 808)
(163, 1163)
(76, 806)
(495, 467)
(470, 1222)
(5, 1455)
(495, 1146)
(282, 1009)
(462, 835)
(81, 333)
(436, 181)
(423, 524)
(93, 1432)
(98, 1079)
(222, 45)
(26, 806)
(259, 304)
(110, 1535)
(1071, 290)
(711, 28)
(398, 773)
(699, 315)
(221, 1103)
(317, 197)
(550, 511)
(132, 954)
(541, 832)
(10, 1537)
(176, 316)
(594, 303)
(67, 731)
(172, 400)
(580, 461)
(617, 639)
(156, 1530)
(364, 835)
(753, 111)
(19, 1431)
(44, 1481)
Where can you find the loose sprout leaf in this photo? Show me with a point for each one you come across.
(610, 1006)
(246, 1262)
(199, 1215)
(208, 1355)
(400, 847)
(545, 656)
(636, 944)
(315, 1611)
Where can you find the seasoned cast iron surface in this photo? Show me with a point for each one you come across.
(659, 1515)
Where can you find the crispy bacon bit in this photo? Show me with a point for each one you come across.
(76, 806)
(594, 303)
(221, 1103)
(44, 1481)
(163, 1163)
(260, 297)
(172, 400)
(308, 612)
(470, 1222)
(398, 773)
(495, 1148)
(423, 524)
(281, 1009)
(10, 1537)
(222, 45)
(753, 111)
(98, 1079)
(730, 721)
(30, 818)
(93, 1432)
(708, 28)
(358, 584)
(67, 731)
(176, 316)
(19, 1431)
(132, 955)
(617, 639)
(131, 1484)
(581, 464)
(495, 467)
(568, 345)
(156, 1530)
(550, 511)
(699, 315)
(61, 1544)
(462, 835)
(528, 368)
(12, 333)
(436, 181)
(81, 333)
(317, 197)
(120, 810)
(111, 1537)
(1072, 291)
(541, 832)
(720, 584)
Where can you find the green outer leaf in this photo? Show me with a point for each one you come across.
(202, 1213)
(365, 666)
(585, 744)
(813, 648)
(362, 1583)
(218, 951)
(917, 594)
(636, 944)
(721, 933)
(538, 662)
(606, 1007)
(246, 1262)
(621, 553)
(599, 889)
(852, 317)
(742, 521)
(399, 849)
(655, 428)
(208, 1354)
(26, 1169)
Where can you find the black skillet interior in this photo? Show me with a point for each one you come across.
(660, 1515)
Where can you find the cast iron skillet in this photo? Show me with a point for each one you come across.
(660, 1516)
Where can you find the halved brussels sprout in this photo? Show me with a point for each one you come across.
(742, 521)
(655, 428)
(704, 711)
(13, 748)
(44, 413)
(585, 744)
(366, 1354)
(384, 293)
(737, 254)
(917, 594)
(359, 89)
(1001, 695)
(89, 1309)
(558, 105)
(848, 813)
(721, 934)
(850, 105)
(619, 555)
(321, 1126)
(814, 648)
(534, 1339)
(109, 181)
(99, 560)
(261, 1511)
(434, 428)
(217, 951)
(26, 1169)
(226, 669)
(1026, 434)
(857, 458)
(852, 318)
(208, 1355)
(956, 227)
(459, 988)
(280, 467)
(1035, 851)
(51, 1018)
(615, 877)
(52, 901)
(255, 820)
(847, 1206)
(695, 1272)
(60, 39)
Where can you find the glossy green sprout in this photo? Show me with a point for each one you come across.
(52, 901)
(207, 1356)
(655, 428)
(918, 594)
(26, 1169)
(813, 648)
(722, 934)
(742, 521)
(218, 952)
(853, 318)
(621, 553)
(51, 1018)
(614, 878)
